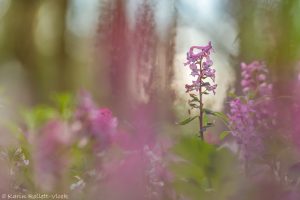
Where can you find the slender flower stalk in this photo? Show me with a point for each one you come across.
(201, 110)
(198, 60)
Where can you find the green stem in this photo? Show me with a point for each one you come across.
(201, 106)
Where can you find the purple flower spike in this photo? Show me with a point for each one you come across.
(200, 64)
(253, 113)
(254, 77)
(198, 59)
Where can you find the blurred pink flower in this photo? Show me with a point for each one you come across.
(51, 154)
(98, 123)
(85, 105)
(252, 115)
(211, 138)
(254, 78)
(140, 174)
(243, 127)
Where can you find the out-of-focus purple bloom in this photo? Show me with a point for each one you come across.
(51, 158)
(98, 123)
(255, 86)
(212, 138)
(294, 107)
(140, 174)
(85, 106)
(102, 120)
(254, 76)
(252, 114)
(103, 127)
(243, 127)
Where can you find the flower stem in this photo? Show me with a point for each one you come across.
(201, 131)
(201, 119)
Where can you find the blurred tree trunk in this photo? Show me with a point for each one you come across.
(22, 19)
(65, 81)
(284, 57)
(243, 12)
(20, 25)
(285, 53)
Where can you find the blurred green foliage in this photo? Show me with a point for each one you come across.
(62, 107)
(203, 170)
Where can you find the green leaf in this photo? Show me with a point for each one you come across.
(194, 105)
(208, 112)
(205, 171)
(217, 114)
(187, 170)
(223, 135)
(194, 98)
(186, 121)
(222, 116)
(193, 150)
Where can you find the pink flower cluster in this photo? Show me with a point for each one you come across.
(252, 114)
(51, 156)
(139, 165)
(254, 78)
(254, 82)
(294, 107)
(243, 127)
(98, 123)
(198, 59)
(122, 162)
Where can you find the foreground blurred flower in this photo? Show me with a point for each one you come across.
(98, 123)
(294, 107)
(243, 127)
(51, 155)
(137, 171)
(140, 174)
